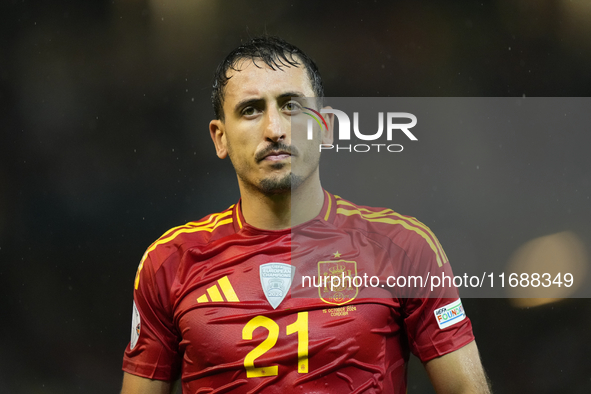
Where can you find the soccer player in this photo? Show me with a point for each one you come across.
(215, 302)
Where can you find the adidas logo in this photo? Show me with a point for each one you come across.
(216, 296)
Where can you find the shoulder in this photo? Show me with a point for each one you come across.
(174, 242)
(381, 219)
(406, 232)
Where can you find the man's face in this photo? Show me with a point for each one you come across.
(259, 109)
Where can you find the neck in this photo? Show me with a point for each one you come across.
(281, 211)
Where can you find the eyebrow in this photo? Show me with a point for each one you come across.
(292, 94)
(250, 101)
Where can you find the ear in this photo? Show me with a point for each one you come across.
(327, 135)
(217, 132)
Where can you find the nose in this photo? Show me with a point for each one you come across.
(276, 126)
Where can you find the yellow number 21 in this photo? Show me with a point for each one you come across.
(300, 326)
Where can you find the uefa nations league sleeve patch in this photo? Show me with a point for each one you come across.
(450, 314)
(135, 327)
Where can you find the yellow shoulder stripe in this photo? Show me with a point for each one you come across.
(329, 206)
(195, 224)
(412, 220)
(210, 224)
(238, 216)
(387, 216)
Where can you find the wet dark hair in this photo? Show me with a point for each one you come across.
(275, 53)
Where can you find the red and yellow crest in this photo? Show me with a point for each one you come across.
(336, 281)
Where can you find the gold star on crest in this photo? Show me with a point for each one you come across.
(336, 254)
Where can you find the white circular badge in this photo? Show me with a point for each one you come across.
(135, 327)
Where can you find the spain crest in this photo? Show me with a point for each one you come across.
(333, 291)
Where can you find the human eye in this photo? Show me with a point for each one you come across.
(293, 107)
(248, 111)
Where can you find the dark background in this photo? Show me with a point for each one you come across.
(104, 108)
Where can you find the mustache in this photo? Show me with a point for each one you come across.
(274, 147)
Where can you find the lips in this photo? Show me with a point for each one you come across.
(277, 156)
(277, 151)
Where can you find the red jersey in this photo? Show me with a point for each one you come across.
(235, 309)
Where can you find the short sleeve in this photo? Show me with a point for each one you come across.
(434, 318)
(153, 351)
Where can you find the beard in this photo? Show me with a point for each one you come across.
(274, 184)
(280, 185)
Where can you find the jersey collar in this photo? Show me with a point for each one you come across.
(327, 214)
